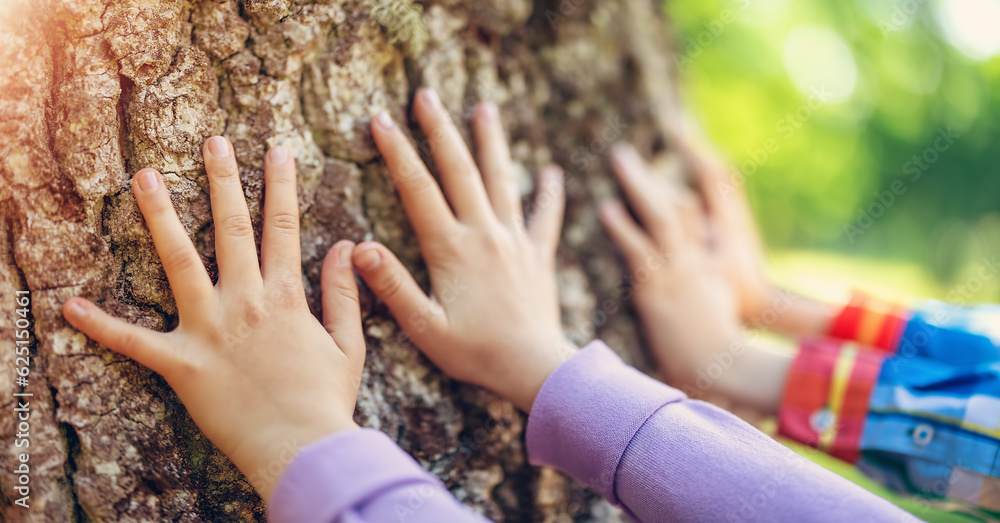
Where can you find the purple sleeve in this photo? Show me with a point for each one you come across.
(660, 456)
(360, 476)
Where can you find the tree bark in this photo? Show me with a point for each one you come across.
(93, 90)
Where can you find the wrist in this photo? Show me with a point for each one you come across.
(276, 449)
(758, 375)
(523, 386)
(765, 301)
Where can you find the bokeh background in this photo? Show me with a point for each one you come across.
(850, 91)
(825, 107)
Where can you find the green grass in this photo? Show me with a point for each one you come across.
(916, 507)
(832, 276)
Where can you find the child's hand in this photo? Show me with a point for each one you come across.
(493, 316)
(733, 228)
(737, 242)
(686, 304)
(256, 371)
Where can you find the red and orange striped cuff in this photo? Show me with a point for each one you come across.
(871, 323)
(827, 394)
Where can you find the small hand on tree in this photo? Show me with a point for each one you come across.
(492, 318)
(256, 371)
(684, 290)
(680, 288)
(732, 228)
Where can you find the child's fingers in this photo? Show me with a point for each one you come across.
(724, 199)
(459, 174)
(425, 205)
(691, 218)
(627, 235)
(711, 175)
(235, 250)
(642, 192)
(392, 283)
(547, 212)
(280, 253)
(725, 202)
(188, 279)
(494, 161)
(341, 308)
(142, 345)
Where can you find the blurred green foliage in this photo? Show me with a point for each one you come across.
(816, 172)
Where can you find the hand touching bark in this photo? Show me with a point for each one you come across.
(256, 371)
(685, 302)
(492, 317)
(733, 231)
(736, 240)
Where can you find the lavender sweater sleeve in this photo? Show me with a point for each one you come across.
(662, 457)
(641, 444)
(361, 476)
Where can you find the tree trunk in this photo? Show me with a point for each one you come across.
(93, 90)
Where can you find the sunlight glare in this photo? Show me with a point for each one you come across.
(817, 58)
(971, 26)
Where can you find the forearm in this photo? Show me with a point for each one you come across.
(358, 476)
(756, 378)
(706, 355)
(662, 457)
(794, 315)
(744, 371)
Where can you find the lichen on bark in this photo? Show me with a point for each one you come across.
(93, 90)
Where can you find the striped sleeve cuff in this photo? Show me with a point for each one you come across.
(871, 323)
(826, 398)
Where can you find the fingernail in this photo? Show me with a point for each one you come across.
(277, 155)
(344, 256)
(626, 157)
(147, 180)
(489, 111)
(384, 121)
(218, 147)
(612, 210)
(625, 151)
(75, 310)
(552, 175)
(368, 260)
(431, 97)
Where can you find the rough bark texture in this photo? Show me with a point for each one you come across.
(93, 90)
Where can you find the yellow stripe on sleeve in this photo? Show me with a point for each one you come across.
(838, 390)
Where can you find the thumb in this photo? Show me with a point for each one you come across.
(147, 347)
(393, 284)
